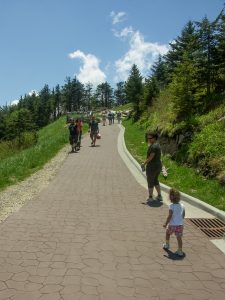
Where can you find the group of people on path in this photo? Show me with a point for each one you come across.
(75, 134)
(76, 129)
(110, 115)
(153, 166)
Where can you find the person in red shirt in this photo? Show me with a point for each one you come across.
(79, 129)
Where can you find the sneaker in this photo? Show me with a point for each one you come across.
(159, 198)
(166, 246)
(150, 199)
(179, 253)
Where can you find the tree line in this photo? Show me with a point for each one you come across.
(39, 109)
(192, 71)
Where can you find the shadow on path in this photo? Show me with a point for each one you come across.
(154, 203)
(94, 146)
(173, 256)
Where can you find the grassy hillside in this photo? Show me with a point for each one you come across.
(180, 176)
(205, 148)
(22, 164)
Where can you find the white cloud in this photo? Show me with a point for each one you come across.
(90, 72)
(141, 53)
(33, 92)
(14, 102)
(117, 17)
(123, 33)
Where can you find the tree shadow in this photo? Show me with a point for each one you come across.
(173, 256)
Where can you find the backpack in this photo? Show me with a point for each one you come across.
(72, 129)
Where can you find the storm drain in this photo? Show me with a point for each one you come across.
(213, 228)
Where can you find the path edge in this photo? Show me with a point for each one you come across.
(185, 197)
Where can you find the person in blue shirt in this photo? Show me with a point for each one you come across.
(94, 130)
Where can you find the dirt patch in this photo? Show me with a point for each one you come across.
(15, 196)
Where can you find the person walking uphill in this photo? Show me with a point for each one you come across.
(94, 130)
(73, 137)
(79, 124)
(153, 165)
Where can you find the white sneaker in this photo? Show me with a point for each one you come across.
(179, 253)
(166, 246)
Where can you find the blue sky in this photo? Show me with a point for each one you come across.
(44, 41)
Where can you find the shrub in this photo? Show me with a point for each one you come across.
(207, 149)
(26, 140)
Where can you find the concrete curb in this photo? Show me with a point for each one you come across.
(185, 197)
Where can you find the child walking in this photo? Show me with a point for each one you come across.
(175, 220)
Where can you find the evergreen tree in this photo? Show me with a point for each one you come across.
(58, 101)
(67, 95)
(187, 42)
(151, 91)
(87, 98)
(73, 92)
(206, 58)
(119, 93)
(160, 73)
(77, 92)
(104, 95)
(134, 90)
(220, 53)
(44, 107)
(17, 123)
(185, 89)
(2, 124)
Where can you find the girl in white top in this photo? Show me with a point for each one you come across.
(175, 220)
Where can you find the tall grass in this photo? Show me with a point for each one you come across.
(50, 140)
(9, 148)
(181, 177)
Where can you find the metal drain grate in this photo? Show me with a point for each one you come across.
(213, 228)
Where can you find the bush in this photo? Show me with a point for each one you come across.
(207, 149)
(26, 140)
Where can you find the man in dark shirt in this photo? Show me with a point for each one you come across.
(73, 135)
(94, 130)
(153, 165)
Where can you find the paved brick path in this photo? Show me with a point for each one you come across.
(88, 236)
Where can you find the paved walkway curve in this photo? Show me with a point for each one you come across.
(88, 236)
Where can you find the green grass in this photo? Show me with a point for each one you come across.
(124, 107)
(19, 166)
(180, 177)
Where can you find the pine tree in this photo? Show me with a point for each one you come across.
(87, 97)
(2, 124)
(104, 95)
(134, 90)
(220, 53)
(160, 72)
(185, 89)
(151, 91)
(119, 93)
(44, 107)
(206, 62)
(17, 123)
(187, 42)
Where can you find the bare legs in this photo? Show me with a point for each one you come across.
(150, 191)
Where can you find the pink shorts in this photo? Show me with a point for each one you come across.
(176, 229)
